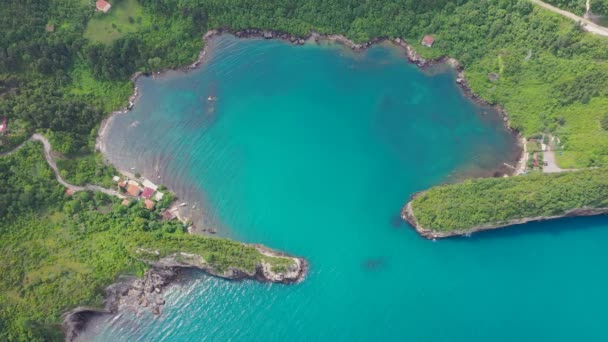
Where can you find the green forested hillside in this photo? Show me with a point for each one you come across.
(478, 202)
(60, 251)
(552, 76)
(63, 67)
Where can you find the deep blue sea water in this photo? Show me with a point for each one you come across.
(313, 150)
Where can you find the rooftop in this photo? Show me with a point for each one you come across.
(149, 184)
(103, 6)
(428, 41)
(147, 193)
(133, 190)
(168, 215)
(149, 204)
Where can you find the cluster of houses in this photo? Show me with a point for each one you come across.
(145, 191)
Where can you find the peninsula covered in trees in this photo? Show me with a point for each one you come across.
(64, 66)
(481, 204)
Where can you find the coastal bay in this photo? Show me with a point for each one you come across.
(316, 162)
(311, 170)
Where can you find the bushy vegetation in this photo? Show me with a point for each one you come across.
(552, 76)
(599, 7)
(498, 200)
(577, 7)
(222, 253)
(59, 252)
(63, 67)
(88, 169)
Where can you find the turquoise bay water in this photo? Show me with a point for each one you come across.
(313, 150)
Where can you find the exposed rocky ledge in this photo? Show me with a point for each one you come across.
(408, 215)
(133, 293)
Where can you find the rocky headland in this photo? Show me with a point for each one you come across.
(409, 216)
(146, 293)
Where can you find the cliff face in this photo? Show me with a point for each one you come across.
(264, 271)
(147, 292)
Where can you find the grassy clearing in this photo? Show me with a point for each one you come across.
(124, 17)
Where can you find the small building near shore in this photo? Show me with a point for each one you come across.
(147, 184)
(158, 196)
(428, 41)
(133, 190)
(149, 204)
(168, 215)
(103, 6)
(147, 193)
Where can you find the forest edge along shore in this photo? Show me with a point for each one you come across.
(146, 291)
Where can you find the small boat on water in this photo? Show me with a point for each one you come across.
(183, 204)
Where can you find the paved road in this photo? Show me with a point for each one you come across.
(588, 25)
(49, 159)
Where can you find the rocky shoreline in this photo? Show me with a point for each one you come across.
(408, 215)
(410, 53)
(135, 294)
(147, 292)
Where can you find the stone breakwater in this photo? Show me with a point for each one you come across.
(147, 292)
(408, 215)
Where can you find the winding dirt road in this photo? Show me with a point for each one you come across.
(49, 159)
(586, 24)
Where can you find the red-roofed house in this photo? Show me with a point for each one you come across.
(103, 5)
(147, 193)
(133, 190)
(428, 41)
(149, 204)
(3, 125)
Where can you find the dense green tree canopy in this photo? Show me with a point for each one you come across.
(63, 67)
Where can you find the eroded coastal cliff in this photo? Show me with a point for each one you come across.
(147, 292)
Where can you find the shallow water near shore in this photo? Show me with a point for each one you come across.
(313, 150)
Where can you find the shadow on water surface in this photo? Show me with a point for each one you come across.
(554, 228)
